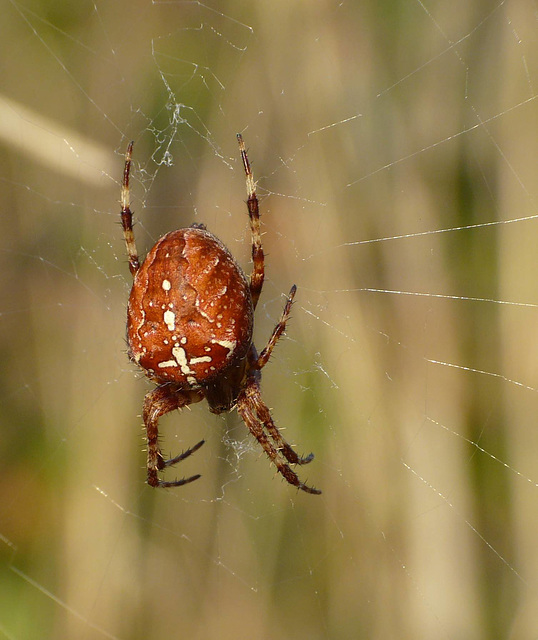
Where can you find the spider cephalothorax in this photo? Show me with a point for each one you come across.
(189, 327)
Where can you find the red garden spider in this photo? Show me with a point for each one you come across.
(189, 327)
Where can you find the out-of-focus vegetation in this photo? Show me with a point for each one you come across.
(410, 362)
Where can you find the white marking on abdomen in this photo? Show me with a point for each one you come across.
(181, 357)
(200, 359)
(167, 363)
(227, 344)
(170, 320)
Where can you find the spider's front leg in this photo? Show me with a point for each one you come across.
(127, 215)
(264, 356)
(157, 403)
(258, 260)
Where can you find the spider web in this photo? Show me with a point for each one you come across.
(394, 149)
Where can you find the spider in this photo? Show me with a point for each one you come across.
(190, 319)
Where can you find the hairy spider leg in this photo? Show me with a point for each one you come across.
(254, 412)
(127, 216)
(258, 268)
(157, 403)
(256, 363)
(264, 415)
(264, 356)
(244, 407)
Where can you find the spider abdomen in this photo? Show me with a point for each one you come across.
(190, 311)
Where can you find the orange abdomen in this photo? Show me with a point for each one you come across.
(190, 311)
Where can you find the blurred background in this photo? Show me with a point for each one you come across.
(395, 148)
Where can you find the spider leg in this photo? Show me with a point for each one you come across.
(261, 408)
(182, 456)
(245, 408)
(264, 415)
(258, 268)
(157, 403)
(127, 216)
(264, 356)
